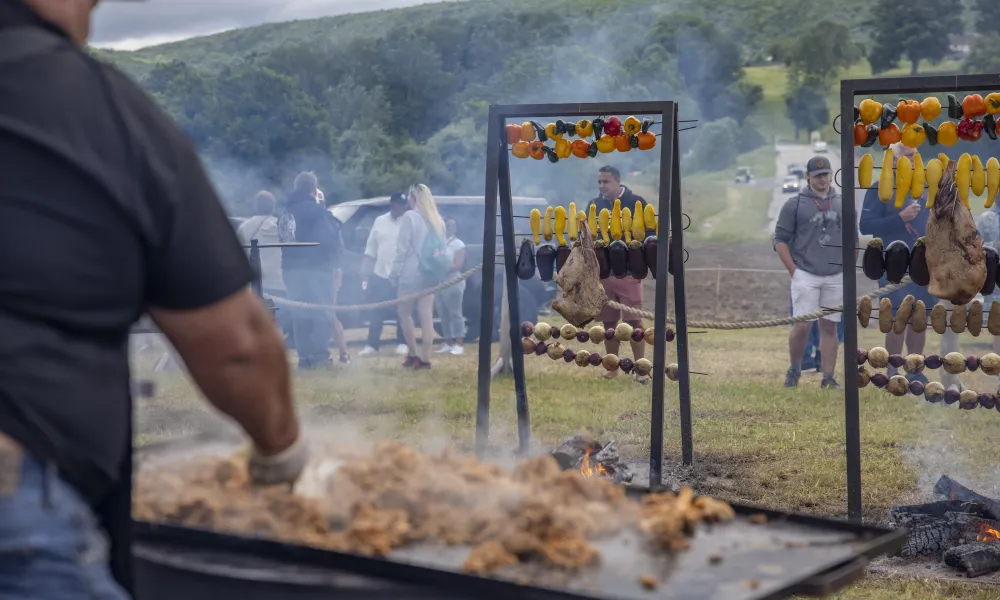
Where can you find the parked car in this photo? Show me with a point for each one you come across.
(797, 169)
(791, 185)
(743, 175)
(356, 218)
(820, 147)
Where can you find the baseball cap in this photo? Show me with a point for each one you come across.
(818, 165)
(398, 197)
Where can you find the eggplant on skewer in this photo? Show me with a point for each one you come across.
(526, 260)
(897, 260)
(873, 261)
(649, 246)
(919, 274)
(637, 260)
(545, 260)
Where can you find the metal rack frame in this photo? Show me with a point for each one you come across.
(849, 88)
(498, 188)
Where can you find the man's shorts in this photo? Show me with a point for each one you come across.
(811, 292)
(626, 291)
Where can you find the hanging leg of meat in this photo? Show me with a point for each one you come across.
(581, 296)
(955, 256)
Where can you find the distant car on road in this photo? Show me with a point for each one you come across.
(743, 175)
(791, 185)
(819, 147)
(797, 169)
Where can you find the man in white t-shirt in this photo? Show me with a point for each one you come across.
(380, 252)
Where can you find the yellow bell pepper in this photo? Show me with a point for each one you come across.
(572, 223)
(606, 144)
(527, 132)
(913, 135)
(562, 147)
(948, 133)
(520, 150)
(550, 132)
(930, 108)
(993, 103)
(632, 126)
(870, 111)
(584, 128)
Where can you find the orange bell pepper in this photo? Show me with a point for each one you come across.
(646, 141)
(527, 132)
(948, 133)
(579, 148)
(973, 106)
(890, 135)
(621, 143)
(520, 149)
(860, 133)
(536, 150)
(908, 111)
(513, 134)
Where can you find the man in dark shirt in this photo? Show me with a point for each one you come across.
(626, 291)
(106, 214)
(883, 220)
(309, 272)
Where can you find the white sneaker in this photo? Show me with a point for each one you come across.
(457, 350)
(444, 349)
(402, 350)
(368, 351)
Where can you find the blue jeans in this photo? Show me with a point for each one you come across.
(313, 328)
(51, 547)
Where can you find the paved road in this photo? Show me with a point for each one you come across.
(788, 154)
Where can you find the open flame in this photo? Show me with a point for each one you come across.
(987, 534)
(587, 471)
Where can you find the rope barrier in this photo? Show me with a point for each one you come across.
(616, 305)
(384, 304)
(758, 324)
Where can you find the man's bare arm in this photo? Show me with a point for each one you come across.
(236, 356)
(786, 256)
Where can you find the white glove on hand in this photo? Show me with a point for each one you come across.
(285, 467)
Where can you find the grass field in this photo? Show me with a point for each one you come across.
(754, 441)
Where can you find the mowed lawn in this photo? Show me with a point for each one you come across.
(760, 443)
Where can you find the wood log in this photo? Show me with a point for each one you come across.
(975, 559)
(953, 490)
(904, 515)
(933, 536)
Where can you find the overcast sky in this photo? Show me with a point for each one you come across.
(129, 25)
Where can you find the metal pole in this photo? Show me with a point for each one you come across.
(510, 265)
(680, 308)
(257, 283)
(852, 413)
(667, 150)
(493, 143)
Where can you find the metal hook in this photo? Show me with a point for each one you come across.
(836, 178)
(835, 246)
(685, 228)
(834, 124)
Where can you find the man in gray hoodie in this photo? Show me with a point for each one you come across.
(807, 239)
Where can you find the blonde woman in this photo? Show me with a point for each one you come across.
(411, 273)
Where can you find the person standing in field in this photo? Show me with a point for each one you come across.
(628, 290)
(376, 266)
(263, 227)
(449, 300)
(807, 239)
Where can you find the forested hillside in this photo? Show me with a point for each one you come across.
(376, 101)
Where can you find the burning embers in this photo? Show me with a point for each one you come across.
(592, 459)
(964, 531)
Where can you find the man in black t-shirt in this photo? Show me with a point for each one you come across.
(106, 214)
